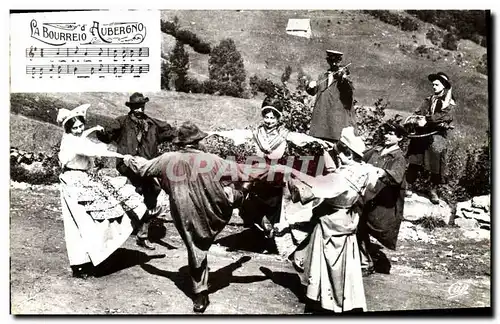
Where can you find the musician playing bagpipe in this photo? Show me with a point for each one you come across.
(428, 131)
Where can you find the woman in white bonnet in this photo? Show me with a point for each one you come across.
(95, 224)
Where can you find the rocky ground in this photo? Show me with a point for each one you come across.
(438, 270)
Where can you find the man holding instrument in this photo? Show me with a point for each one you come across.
(334, 100)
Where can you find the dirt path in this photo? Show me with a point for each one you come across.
(134, 281)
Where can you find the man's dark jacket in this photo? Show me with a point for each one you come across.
(124, 131)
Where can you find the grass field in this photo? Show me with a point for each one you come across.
(377, 71)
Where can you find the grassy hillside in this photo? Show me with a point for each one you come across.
(377, 70)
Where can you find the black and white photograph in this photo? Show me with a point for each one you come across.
(250, 162)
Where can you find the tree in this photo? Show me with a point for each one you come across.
(226, 69)
(179, 66)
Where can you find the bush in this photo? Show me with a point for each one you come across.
(286, 74)
(226, 69)
(409, 24)
(34, 168)
(194, 86)
(395, 19)
(302, 79)
(165, 75)
(477, 178)
(185, 36)
(482, 66)
(467, 23)
(265, 86)
(435, 36)
(450, 42)
(179, 66)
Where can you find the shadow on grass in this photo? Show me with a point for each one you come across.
(250, 240)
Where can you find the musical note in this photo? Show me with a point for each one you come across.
(140, 51)
(85, 52)
(115, 52)
(124, 53)
(87, 69)
(131, 53)
(100, 52)
(76, 50)
(41, 52)
(57, 54)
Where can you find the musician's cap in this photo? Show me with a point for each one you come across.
(64, 115)
(136, 98)
(443, 78)
(334, 53)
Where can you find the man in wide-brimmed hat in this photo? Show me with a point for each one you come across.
(201, 195)
(382, 216)
(334, 100)
(138, 134)
(429, 151)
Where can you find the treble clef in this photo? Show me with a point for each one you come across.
(31, 53)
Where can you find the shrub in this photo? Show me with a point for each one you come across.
(179, 66)
(395, 19)
(302, 79)
(226, 69)
(265, 86)
(482, 66)
(477, 178)
(466, 22)
(165, 75)
(435, 36)
(450, 42)
(286, 74)
(194, 86)
(185, 36)
(409, 24)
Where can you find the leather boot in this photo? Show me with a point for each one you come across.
(200, 302)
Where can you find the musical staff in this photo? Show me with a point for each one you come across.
(82, 69)
(123, 52)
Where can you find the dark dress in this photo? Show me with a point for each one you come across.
(384, 213)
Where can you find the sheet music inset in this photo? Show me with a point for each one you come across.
(85, 51)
